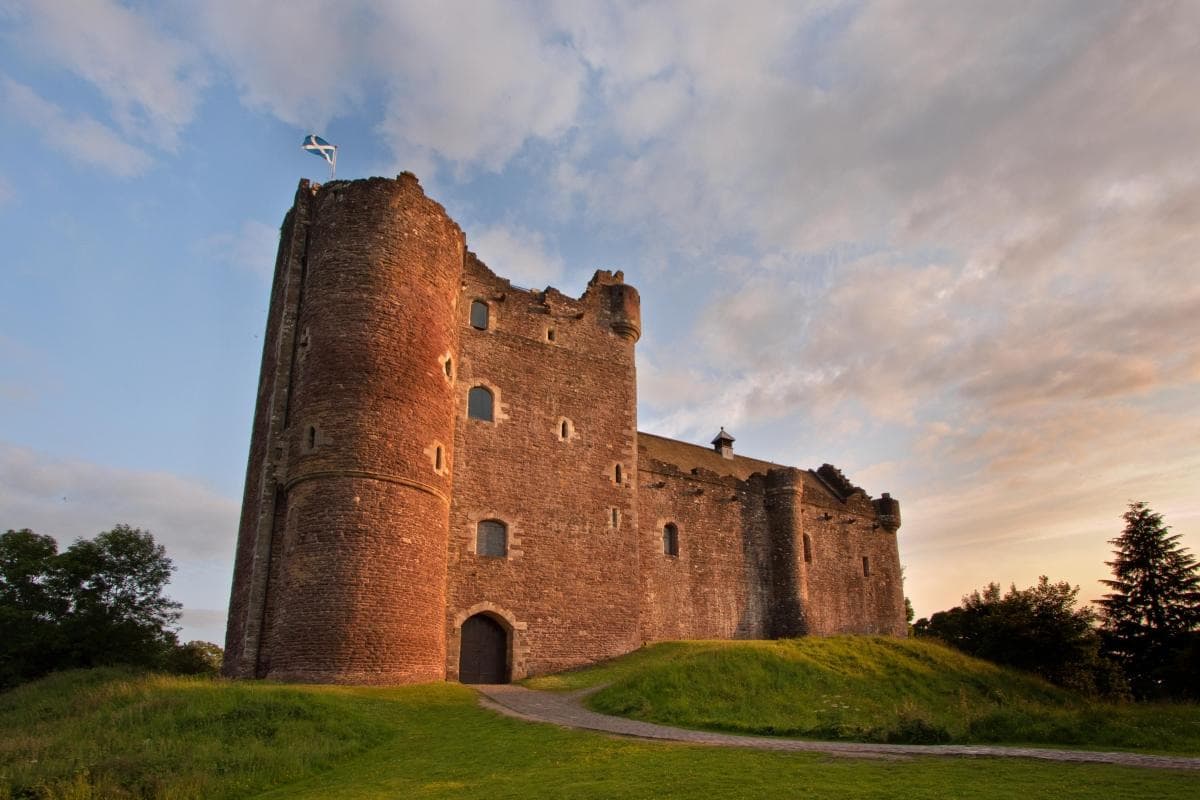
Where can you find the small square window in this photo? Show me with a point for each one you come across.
(479, 315)
(491, 538)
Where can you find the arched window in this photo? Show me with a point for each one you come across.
(807, 549)
(479, 315)
(671, 539)
(565, 429)
(491, 538)
(479, 404)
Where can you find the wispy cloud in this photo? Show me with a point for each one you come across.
(151, 80)
(77, 136)
(68, 498)
(251, 247)
(517, 253)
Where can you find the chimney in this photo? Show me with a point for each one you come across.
(723, 444)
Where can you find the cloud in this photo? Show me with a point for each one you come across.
(469, 83)
(68, 499)
(472, 81)
(251, 247)
(307, 71)
(79, 137)
(517, 253)
(152, 81)
(204, 624)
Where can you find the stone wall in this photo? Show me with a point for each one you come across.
(567, 589)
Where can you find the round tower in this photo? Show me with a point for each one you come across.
(789, 576)
(366, 476)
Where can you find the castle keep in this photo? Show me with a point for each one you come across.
(446, 480)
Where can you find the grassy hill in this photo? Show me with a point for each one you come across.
(875, 689)
(113, 735)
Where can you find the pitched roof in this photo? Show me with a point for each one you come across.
(692, 456)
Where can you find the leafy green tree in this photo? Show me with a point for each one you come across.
(98, 602)
(29, 607)
(196, 658)
(1041, 629)
(1154, 607)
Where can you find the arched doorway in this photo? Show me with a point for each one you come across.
(483, 651)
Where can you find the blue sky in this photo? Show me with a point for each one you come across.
(948, 247)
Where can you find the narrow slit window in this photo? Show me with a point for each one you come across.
(479, 315)
(437, 458)
(491, 538)
(312, 437)
(670, 538)
(807, 549)
(866, 567)
(617, 474)
(479, 404)
(449, 367)
(550, 334)
(616, 517)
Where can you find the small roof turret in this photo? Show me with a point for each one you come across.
(723, 444)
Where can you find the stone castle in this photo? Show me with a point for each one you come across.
(446, 479)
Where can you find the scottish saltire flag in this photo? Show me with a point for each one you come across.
(319, 147)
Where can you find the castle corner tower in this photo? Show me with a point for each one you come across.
(341, 561)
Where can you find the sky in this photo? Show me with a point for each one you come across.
(950, 247)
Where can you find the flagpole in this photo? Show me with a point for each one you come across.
(333, 164)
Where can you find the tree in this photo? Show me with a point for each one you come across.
(196, 658)
(1154, 606)
(29, 607)
(1040, 629)
(98, 602)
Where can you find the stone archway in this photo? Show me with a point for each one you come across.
(483, 655)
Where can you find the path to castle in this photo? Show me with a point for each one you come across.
(566, 709)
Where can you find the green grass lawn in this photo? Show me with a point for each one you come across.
(109, 734)
(876, 689)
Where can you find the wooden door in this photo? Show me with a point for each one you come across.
(483, 651)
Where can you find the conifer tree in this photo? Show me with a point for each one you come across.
(1153, 609)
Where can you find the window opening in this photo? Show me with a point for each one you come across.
(617, 474)
(616, 518)
(449, 367)
(670, 539)
(437, 458)
(866, 566)
(807, 549)
(479, 315)
(312, 437)
(491, 538)
(550, 334)
(479, 404)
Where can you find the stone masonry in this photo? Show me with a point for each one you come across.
(374, 481)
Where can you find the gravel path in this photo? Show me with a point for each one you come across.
(567, 710)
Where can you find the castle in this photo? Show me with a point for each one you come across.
(446, 480)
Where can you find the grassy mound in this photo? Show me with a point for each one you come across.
(114, 733)
(873, 689)
(107, 735)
